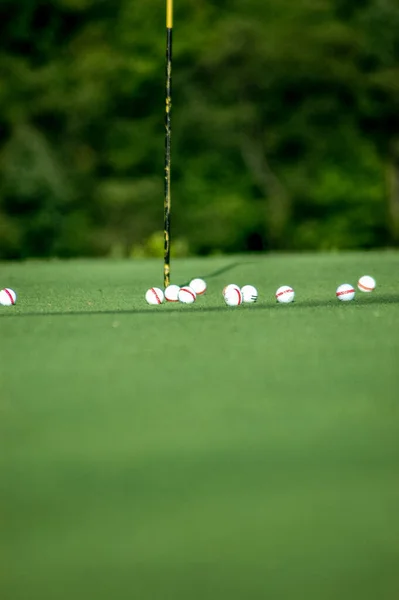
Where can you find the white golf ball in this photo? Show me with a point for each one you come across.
(172, 293)
(345, 292)
(366, 283)
(187, 295)
(231, 286)
(154, 296)
(7, 297)
(249, 293)
(198, 285)
(232, 295)
(285, 294)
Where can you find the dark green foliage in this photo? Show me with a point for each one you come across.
(285, 125)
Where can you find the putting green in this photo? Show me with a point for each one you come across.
(200, 452)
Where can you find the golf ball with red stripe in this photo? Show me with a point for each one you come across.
(172, 293)
(345, 292)
(198, 285)
(232, 295)
(7, 297)
(366, 284)
(187, 295)
(285, 294)
(154, 296)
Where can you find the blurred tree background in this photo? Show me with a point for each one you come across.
(285, 126)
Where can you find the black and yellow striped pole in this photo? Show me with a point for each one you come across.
(168, 131)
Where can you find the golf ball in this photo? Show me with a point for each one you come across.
(231, 286)
(366, 283)
(172, 293)
(345, 292)
(249, 293)
(285, 294)
(187, 295)
(7, 297)
(154, 296)
(232, 295)
(198, 285)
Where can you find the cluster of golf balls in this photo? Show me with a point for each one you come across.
(187, 294)
(7, 297)
(346, 291)
(248, 294)
(233, 295)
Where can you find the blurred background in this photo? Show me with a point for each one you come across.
(285, 126)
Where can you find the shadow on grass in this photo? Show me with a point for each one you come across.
(179, 309)
(219, 271)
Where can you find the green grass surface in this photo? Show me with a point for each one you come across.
(204, 452)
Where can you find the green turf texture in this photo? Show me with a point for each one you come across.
(200, 452)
